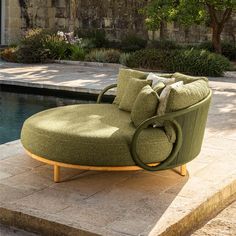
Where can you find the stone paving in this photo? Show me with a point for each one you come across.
(126, 203)
(9, 231)
(58, 76)
(223, 224)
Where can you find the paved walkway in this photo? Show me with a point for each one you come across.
(58, 76)
(127, 203)
(224, 224)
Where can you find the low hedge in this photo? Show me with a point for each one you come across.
(193, 61)
(103, 55)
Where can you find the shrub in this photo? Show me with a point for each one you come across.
(228, 48)
(97, 37)
(31, 48)
(164, 44)
(206, 46)
(57, 46)
(124, 58)
(87, 43)
(77, 53)
(132, 43)
(195, 62)
(9, 54)
(103, 55)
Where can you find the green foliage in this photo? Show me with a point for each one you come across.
(214, 13)
(132, 43)
(31, 48)
(97, 37)
(77, 53)
(228, 48)
(9, 54)
(164, 44)
(195, 62)
(158, 11)
(186, 12)
(124, 58)
(58, 47)
(103, 55)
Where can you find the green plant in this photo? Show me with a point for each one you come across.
(58, 47)
(77, 53)
(132, 43)
(97, 37)
(95, 56)
(187, 13)
(229, 50)
(31, 47)
(124, 58)
(9, 54)
(164, 44)
(103, 55)
(195, 62)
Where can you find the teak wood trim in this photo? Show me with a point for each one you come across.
(57, 166)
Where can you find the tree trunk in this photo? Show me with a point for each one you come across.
(216, 41)
(162, 31)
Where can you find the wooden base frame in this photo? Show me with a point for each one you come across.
(58, 165)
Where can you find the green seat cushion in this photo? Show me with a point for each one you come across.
(158, 88)
(91, 134)
(187, 78)
(123, 78)
(187, 95)
(145, 105)
(131, 92)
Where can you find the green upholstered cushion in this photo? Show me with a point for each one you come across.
(131, 92)
(91, 134)
(187, 95)
(187, 78)
(123, 78)
(158, 88)
(145, 105)
(165, 75)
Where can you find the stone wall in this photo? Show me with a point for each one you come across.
(117, 17)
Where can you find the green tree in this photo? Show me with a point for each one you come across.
(215, 13)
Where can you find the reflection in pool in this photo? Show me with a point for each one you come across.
(15, 108)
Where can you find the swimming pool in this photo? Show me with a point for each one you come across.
(15, 108)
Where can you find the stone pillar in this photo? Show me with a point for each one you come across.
(12, 21)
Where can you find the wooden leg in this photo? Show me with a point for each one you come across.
(56, 174)
(183, 170)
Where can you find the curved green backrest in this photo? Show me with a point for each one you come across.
(193, 126)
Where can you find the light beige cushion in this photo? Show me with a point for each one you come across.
(187, 78)
(156, 79)
(131, 92)
(165, 96)
(123, 79)
(187, 95)
(145, 105)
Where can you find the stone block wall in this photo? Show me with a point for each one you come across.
(117, 17)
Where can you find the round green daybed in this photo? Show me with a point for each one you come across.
(103, 136)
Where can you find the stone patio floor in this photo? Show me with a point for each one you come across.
(223, 224)
(125, 203)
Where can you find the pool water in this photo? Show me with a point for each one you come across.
(15, 108)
